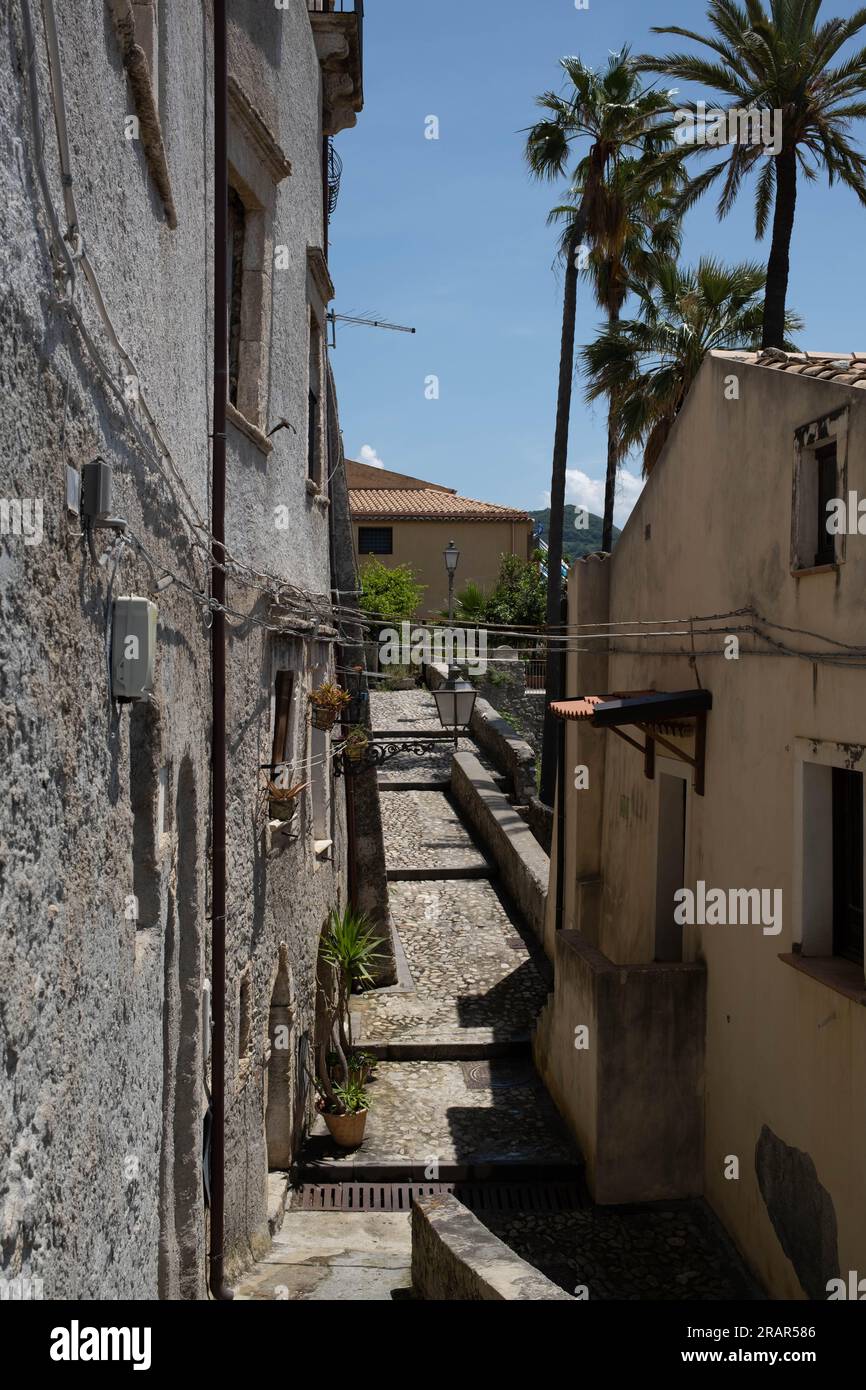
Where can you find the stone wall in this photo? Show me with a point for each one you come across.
(456, 1258)
(504, 686)
(522, 864)
(104, 949)
(630, 1086)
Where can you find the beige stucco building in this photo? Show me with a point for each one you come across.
(403, 521)
(718, 1059)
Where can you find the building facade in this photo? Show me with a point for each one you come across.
(711, 897)
(107, 316)
(401, 520)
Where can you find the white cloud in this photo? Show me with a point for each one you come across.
(369, 456)
(588, 492)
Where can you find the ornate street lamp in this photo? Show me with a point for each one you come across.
(455, 701)
(452, 555)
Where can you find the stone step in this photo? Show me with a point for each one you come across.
(449, 1121)
(468, 1047)
(457, 871)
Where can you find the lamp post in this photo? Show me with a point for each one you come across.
(452, 555)
(455, 701)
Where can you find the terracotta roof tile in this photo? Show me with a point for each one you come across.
(424, 504)
(844, 368)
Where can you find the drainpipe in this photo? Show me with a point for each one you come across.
(218, 657)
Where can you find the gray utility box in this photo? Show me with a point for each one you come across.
(97, 493)
(133, 648)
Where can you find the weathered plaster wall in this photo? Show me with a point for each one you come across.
(711, 534)
(102, 1090)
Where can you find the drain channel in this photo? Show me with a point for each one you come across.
(399, 1196)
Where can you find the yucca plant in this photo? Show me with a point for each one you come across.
(349, 947)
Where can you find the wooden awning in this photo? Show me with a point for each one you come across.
(659, 714)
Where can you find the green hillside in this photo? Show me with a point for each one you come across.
(574, 542)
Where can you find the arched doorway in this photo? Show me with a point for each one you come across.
(279, 1106)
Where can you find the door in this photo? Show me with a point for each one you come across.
(848, 864)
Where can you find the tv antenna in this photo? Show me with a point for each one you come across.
(334, 319)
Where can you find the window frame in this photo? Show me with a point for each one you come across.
(813, 934)
(364, 551)
(810, 440)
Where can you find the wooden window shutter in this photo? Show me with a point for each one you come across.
(282, 711)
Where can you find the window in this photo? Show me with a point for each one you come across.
(281, 749)
(375, 540)
(256, 167)
(314, 409)
(825, 461)
(830, 811)
(235, 251)
(820, 476)
(848, 864)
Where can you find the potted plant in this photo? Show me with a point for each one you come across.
(326, 702)
(355, 743)
(349, 948)
(346, 1113)
(361, 1066)
(283, 801)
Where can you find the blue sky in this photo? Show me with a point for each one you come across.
(449, 236)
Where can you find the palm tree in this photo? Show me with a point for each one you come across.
(614, 113)
(778, 60)
(648, 364)
(637, 226)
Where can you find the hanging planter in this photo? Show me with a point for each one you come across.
(326, 704)
(283, 801)
(356, 743)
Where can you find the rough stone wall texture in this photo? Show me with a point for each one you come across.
(504, 686)
(455, 1257)
(102, 1091)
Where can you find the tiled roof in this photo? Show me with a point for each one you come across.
(425, 504)
(843, 368)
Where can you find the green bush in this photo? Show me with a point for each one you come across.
(390, 593)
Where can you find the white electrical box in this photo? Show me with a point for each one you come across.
(133, 648)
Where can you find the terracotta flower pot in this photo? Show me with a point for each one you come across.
(347, 1130)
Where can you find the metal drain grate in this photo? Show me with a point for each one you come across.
(399, 1196)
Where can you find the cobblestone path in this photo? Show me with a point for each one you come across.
(455, 1096)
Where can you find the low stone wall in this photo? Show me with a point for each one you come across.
(633, 1095)
(455, 1257)
(522, 863)
(539, 818)
(512, 754)
(504, 687)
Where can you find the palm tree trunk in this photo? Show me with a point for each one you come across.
(554, 666)
(610, 478)
(776, 291)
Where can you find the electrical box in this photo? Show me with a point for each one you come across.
(97, 492)
(133, 648)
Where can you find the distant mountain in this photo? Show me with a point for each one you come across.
(575, 542)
